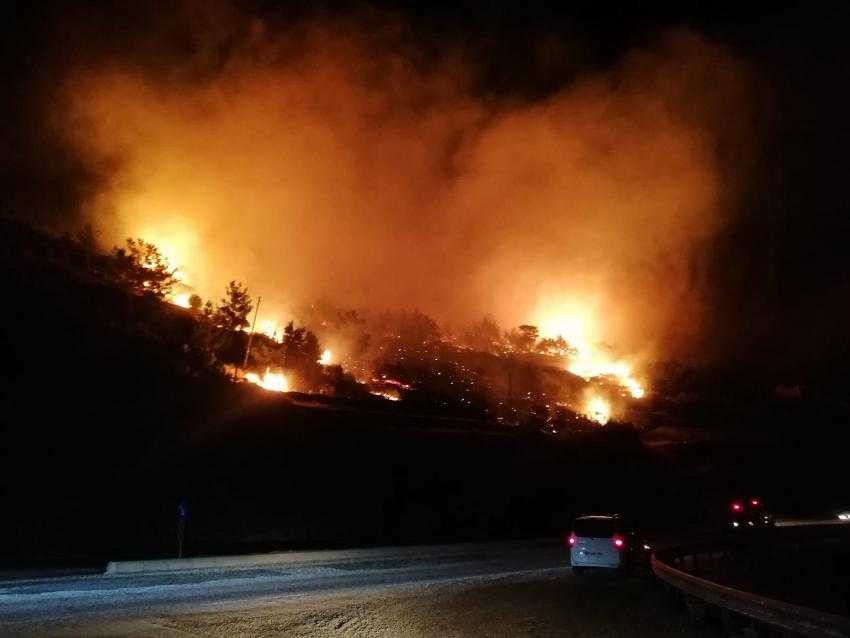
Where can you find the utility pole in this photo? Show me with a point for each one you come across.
(251, 334)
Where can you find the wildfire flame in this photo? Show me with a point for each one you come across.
(575, 324)
(597, 409)
(327, 358)
(273, 381)
(181, 300)
(388, 395)
(590, 365)
(173, 243)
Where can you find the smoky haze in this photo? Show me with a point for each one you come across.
(331, 161)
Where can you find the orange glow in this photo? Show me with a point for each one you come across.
(271, 329)
(388, 395)
(605, 188)
(597, 409)
(318, 163)
(181, 300)
(577, 323)
(274, 381)
(175, 240)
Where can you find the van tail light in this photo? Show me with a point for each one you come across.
(737, 507)
(571, 540)
(619, 541)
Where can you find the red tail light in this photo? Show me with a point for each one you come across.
(754, 502)
(571, 540)
(619, 541)
(737, 507)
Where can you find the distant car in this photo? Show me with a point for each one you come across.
(748, 513)
(604, 541)
(843, 515)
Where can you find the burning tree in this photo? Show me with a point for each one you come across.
(522, 339)
(557, 346)
(232, 313)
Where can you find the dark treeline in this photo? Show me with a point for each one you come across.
(116, 405)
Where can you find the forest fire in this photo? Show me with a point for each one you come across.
(631, 205)
(181, 300)
(333, 274)
(273, 381)
(389, 395)
(590, 367)
(597, 409)
(568, 215)
(586, 359)
(567, 336)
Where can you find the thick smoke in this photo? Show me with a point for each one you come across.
(333, 164)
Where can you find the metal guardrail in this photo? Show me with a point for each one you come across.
(676, 566)
(788, 617)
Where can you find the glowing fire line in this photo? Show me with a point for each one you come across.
(573, 324)
(273, 381)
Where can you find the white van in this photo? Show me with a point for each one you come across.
(599, 541)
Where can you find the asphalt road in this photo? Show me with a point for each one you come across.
(504, 589)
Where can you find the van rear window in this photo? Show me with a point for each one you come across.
(594, 527)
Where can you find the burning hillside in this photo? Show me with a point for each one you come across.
(396, 356)
(329, 165)
(485, 373)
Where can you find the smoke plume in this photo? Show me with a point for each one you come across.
(325, 161)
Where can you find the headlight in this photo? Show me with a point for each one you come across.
(844, 516)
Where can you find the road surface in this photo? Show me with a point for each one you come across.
(499, 589)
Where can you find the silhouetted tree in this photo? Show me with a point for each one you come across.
(143, 269)
(301, 354)
(265, 353)
(342, 383)
(87, 238)
(195, 303)
(522, 339)
(300, 347)
(556, 347)
(202, 347)
(484, 335)
(233, 310)
(415, 328)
